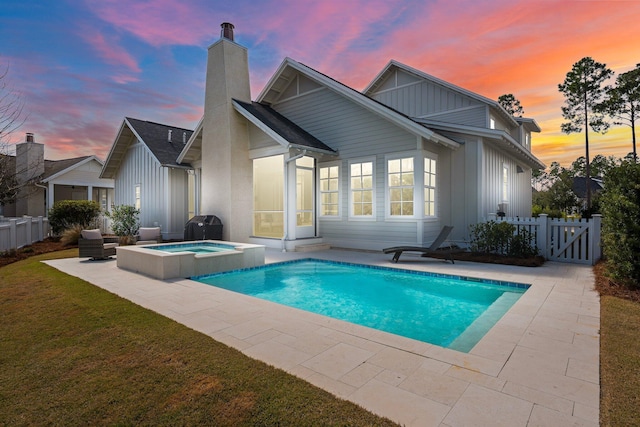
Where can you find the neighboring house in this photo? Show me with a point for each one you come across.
(579, 187)
(312, 160)
(142, 161)
(44, 182)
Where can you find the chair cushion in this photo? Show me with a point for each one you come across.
(148, 233)
(91, 234)
(109, 245)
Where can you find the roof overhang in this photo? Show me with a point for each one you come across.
(501, 137)
(192, 150)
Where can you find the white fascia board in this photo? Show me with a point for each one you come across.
(189, 143)
(111, 151)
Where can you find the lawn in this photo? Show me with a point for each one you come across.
(74, 354)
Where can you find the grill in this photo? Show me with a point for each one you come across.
(203, 227)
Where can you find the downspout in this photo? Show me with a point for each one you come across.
(286, 196)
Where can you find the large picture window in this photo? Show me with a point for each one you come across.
(429, 187)
(401, 186)
(330, 190)
(268, 197)
(361, 179)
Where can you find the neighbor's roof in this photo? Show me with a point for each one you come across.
(155, 136)
(279, 127)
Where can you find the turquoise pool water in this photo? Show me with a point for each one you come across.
(449, 311)
(196, 247)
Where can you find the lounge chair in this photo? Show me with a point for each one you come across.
(426, 251)
(91, 244)
(148, 236)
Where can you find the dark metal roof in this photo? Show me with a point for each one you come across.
(284, 127)
(579, 186)
(155, 136)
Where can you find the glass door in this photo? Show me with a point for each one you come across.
(305, 197)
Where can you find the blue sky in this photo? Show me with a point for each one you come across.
(81, 66)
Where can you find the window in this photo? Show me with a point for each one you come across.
(329, 190)
(492, 123)
(527, 140)
(401, 185)
(361, 175)
(505, 183)
(137, 197)
(429, 187)
(268, 197)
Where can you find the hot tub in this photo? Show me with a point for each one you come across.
(186, 259)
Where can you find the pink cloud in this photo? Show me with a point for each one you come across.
(111, 52)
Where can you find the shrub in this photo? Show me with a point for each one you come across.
(620, 202)
(71, 235)
(502, 238)
(124, 222)
(66, 214)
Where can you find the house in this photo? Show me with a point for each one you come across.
(44, 182)
(313, 161)
(579, 187)
(142, 161)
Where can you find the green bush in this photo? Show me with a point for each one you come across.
(620, 202)
(124, 222)
(67, 214)
(502, 238)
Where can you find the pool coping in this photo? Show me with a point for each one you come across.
(538, 365)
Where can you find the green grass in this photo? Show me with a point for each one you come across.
(74, 354)
(619, 362)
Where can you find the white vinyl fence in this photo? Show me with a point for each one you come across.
(563, 240)
(18, 232)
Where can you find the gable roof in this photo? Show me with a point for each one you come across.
(155, 137)
(289, 67)
(579, 186)
(280, 128)
(394, 65)
(55, 168)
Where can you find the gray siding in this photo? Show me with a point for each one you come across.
(139, 166)
(345, 126)
(475, 116)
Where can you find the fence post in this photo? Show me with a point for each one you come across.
(596, 238)
(543, 235)
(13, 235)
(29, 230)
(40, 229)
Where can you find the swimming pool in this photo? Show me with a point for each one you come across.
(449, 311)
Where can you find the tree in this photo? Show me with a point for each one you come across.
(583, 91)
(621, 223)
(511, 104)
(11, 108)
(622, 102)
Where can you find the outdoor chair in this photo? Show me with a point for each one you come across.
(426, 251)
(91, 245)
(148, 236)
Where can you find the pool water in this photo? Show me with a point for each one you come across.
(449, 311)
(198, 248)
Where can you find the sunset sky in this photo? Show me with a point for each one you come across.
(82, 66)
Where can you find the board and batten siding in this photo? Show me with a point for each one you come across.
(420, 98)
(140, 167)
(519, 184)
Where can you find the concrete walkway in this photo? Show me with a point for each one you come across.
(538, 366)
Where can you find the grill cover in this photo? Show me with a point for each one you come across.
(203, 227)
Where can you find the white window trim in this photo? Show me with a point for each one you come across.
(137, 196)
(417, 170)
(351, 216)
(337, 163)
(436, 207)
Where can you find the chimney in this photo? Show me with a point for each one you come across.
(29, 137)
(227, 31)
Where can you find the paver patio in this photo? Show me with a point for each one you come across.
(538, 366)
